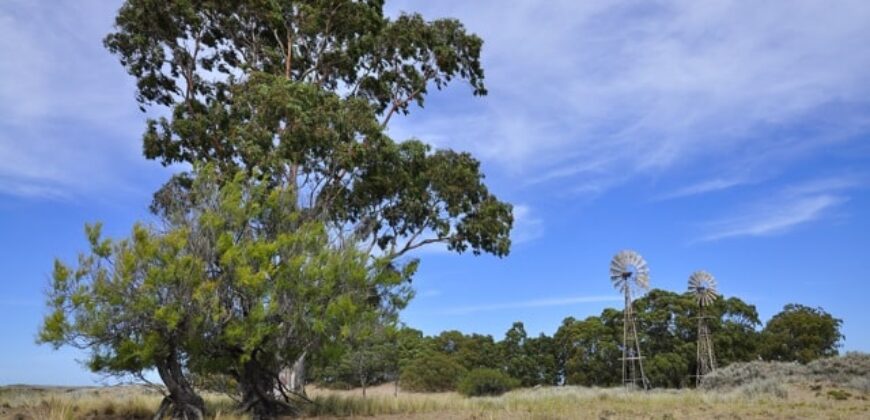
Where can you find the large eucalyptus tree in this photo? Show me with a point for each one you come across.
(299, 94)
(303, 90)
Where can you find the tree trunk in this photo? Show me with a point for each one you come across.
(262, 395)
(182, 402)
(297, 375)
(293, 377)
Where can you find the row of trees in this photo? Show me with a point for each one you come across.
(587, 352)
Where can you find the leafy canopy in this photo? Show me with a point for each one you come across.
(486, 382)
(236, 284)
(801, 333)
(287, 233)
(302, 91)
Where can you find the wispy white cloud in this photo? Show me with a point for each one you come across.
(527, 226)
(537, 303)
(829, 184)
(568, 170)
(32, 189)
(64, 72)
(703, 187)
(429, 293)
(775, 219)
(613, 90)
(70, 124)
(784, 211)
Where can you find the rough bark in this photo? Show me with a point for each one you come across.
(262, 394)
(182, 402)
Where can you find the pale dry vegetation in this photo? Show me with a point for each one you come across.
(63, 403)
(851, 370)
(825, 389)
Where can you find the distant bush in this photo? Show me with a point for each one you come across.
(800, 334)
(480, 382)
(739, 374)
(431, 372)
(335, 384)
(763, 388)
(841, 369)
(839, 394)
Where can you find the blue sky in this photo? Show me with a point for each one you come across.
(732, 136)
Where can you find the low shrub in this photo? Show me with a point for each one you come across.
(738, 374)
(839, 394)
(762, 388)
(480, 382)
(335, 384)
(850, 370)
(841, 369)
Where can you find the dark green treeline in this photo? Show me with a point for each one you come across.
(587, 352)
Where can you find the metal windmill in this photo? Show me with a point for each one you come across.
(630, 275)
(702, 285)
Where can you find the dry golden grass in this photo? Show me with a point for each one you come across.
(768, 401)
(68, 403)
(794, 401)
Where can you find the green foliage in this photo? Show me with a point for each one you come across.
(308, 203)
(589, 351)
(235, 284)
(331, 43)
(734, 326)
(133, 304)
(369, 357)
(839, 394)
(432, 372)
(486, 382)
(800, 333)
(530, 360)
(127, 301)
(471, 351)
(411, 345)
(302, 92)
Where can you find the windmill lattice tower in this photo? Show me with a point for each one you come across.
(629, 273)
(702, 285)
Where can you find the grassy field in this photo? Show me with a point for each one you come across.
(834, 389)
(767, 401)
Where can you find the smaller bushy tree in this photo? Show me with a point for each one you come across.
(234, 284)
(486, 382)
(432, 372)
(131, 303)
(800, 333)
